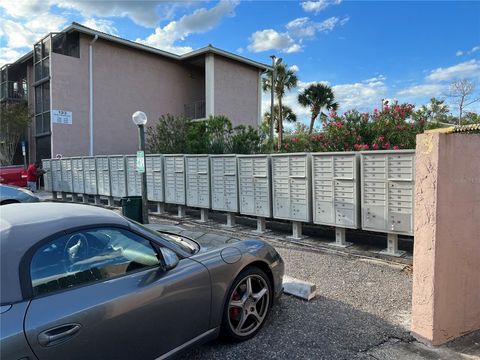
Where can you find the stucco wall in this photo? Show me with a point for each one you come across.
(125, 80)
(446, 286)
(236, 91)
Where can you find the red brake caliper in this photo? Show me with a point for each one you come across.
(235, 311)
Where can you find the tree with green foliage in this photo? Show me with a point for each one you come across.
(168, 135)
(285, 80)
(287, 113)
(14, 120)
(316, 97)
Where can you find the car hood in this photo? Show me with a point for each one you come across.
(207, 241)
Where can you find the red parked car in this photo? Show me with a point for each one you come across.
(13, 175)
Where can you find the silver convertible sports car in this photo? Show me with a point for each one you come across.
(81, 282)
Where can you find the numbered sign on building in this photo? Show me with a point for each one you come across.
(134, 178)
(174, 174)
(224, 182)
(254, 185)
(78, 176)
(90, 175)
(291, 187)
(118, 176)
(67, 175)
(388, 186)
(154, 169)
(198, 180)
(103, 175)
(336, 192)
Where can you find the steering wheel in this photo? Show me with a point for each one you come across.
(76, 249)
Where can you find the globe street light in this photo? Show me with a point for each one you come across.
(140, 119)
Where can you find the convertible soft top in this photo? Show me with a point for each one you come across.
(23, 225)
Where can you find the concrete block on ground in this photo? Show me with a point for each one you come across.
(299, 288)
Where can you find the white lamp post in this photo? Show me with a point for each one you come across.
(140, 119)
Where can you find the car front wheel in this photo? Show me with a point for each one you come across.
(248, 304)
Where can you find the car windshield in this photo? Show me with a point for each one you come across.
(184, 243)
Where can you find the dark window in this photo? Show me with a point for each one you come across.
(88, 256)
(43, 147)
(38, 100)
(67, 44)
(46, 96)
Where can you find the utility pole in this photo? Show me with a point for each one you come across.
(272, 101)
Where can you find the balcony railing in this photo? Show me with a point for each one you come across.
(195, 110)
(13, 90)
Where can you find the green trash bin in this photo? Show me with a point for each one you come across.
(132, 208)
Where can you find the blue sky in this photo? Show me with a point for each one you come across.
(366, 50)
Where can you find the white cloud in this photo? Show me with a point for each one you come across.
(8, 56)
(304, 28)
(294, 68)
(468, 52)
(329, 24)
(459, 53)
(102, 25)
(270, 39)
(200, 21)
(467, 69)
(317, 6)
(474, 49)
(423, 90)
(361, 95)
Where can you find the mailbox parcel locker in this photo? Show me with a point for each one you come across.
(254, 185)
(103, 175)
(118, 179)
(224, 182)
(388, 191)
(198, 180)
(134, 178)
(90, 175)
(78, 176)
(67, 176)
(47, 177)
(154, 169)
(56, 174)
(336, 199)
(291, 187)
(174, 173)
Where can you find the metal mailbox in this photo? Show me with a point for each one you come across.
(336, 192)
(154, 169)
(103, 175)
(388, 186)
(78, 176)
(118, 178)
(174, 174)
(134, 178)
(47, 177)
(56, 171)
(291, 187)
(254, 185)
(198, 180)
(67, 176)
(90, 175)
(224, 182)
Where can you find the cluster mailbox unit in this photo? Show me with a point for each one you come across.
(336, 192)
(291, 189)
(134, 178)
(118, 176)
(103, 177)
(47, 177)
(78, 177)
(174, 175)
(198, 183)
(254, 187)
(388, 185)
(90, 176)
(224, 185)
(56, 167)
(67, 177)
(154, 170)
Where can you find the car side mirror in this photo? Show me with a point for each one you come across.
(170, 258)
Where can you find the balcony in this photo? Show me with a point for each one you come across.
(14, 90)
(195, 110)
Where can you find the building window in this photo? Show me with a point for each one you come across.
(66, 44)
(41, 60)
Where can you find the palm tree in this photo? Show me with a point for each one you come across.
(285, 79)
(316, 97)
(288, 115)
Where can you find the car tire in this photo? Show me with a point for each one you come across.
(247, 306)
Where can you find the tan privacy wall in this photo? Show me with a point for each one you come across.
(446, 261)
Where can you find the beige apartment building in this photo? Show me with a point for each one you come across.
(83, 85)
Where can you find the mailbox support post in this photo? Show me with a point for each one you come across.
(392, 246)
(64, 196)
(74, 197)
(261, 225)
(230, 220)
(340, 238)
(203, 215)
(160, 208)
(111, 202)
(85, 198)
(97, 200)
(54, 195)
(181, 211)
(296, 231)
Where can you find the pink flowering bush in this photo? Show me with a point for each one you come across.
(391, 128)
